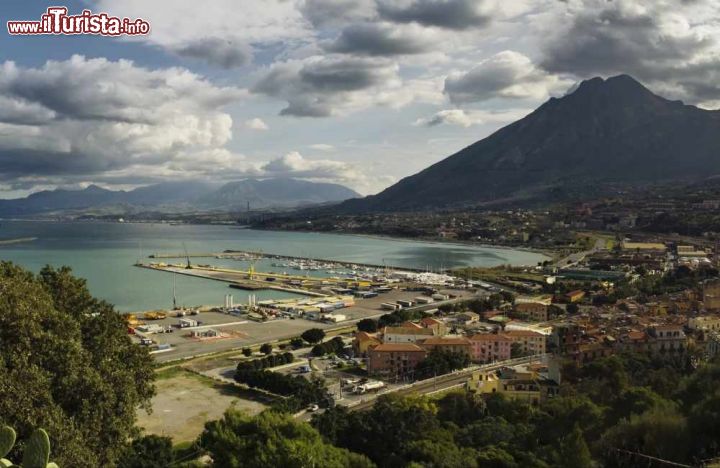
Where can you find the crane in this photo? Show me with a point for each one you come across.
(187, 256)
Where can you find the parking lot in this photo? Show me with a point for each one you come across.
(238, 331)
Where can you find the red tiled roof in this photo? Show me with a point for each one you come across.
(397, 347)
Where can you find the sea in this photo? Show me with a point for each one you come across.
(104, 254)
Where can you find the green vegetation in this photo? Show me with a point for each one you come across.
(272, 439)
(313, 335)
(333, 346)
(150, 451)
(69, 367)
(266, 348)
(272, 360)
(300, 390)
(368, 325)
(439, 362)
(36, 453)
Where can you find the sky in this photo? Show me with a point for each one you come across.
(356, 92)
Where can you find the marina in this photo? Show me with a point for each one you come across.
(104, 254)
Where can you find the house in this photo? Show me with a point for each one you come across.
(711, 295)
(453, 345)
(704, 322)
(574, 296)
(406, 334)
(364, 341)
(468, 317)
(395, 360)
(530, 342)
(667, 338)
(520, 383)
(437, 326)
(533, 310)
(489, 347)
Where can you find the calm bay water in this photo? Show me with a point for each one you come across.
(104, 254)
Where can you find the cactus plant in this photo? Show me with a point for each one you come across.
(37, 449)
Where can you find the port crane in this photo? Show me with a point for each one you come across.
(187, 256)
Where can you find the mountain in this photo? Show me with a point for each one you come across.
(604, 131)
(279, 192)
(182, 196)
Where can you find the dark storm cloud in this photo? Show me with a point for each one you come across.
(223, 53)
(379, 40)
(448, 14)
(328, 12)
(611, 38)
(314, 88)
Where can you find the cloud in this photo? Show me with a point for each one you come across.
(223, 53)
(89, 117)
(507, 74)
(670, 45)
(382, 39)
(448, 14)
(333, 12)
(322, 147)
(183, 27)
(468, 118)
(321, 86)
(256, 124)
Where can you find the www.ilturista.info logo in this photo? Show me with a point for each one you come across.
(57, 21)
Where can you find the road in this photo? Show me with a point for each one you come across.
(436, 384)
(577, 257)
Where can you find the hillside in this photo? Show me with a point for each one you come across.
(182, 196)
(613, 130)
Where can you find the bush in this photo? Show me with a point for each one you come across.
(297, 342)
(266, 348)
(313, 335)
(272, 360)
(368, 325)
(247, 352)
(329, 347)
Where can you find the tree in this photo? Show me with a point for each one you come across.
(313, 335)
(272, 439)
(150, 451)
(297, 342)
(368, 325)
(573, 451)
(69, 366)
(247, 352)
(266, 348)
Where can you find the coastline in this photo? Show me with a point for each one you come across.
(19, 240)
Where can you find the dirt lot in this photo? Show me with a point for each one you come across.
(185, 402)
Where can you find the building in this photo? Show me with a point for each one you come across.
(704, 323)
(406, 334)
(453, 345)
(468, 317)
(532, 310)
(437, 326)
(490, 347)
(530, 342)
(529, 383)
(574, 296)
(395, 360)
(711, 295)
(645, 247)
(364, 341)
(667, 338)
(566, 338)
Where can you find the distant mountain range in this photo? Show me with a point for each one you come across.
(603, 132)
(183, 196)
